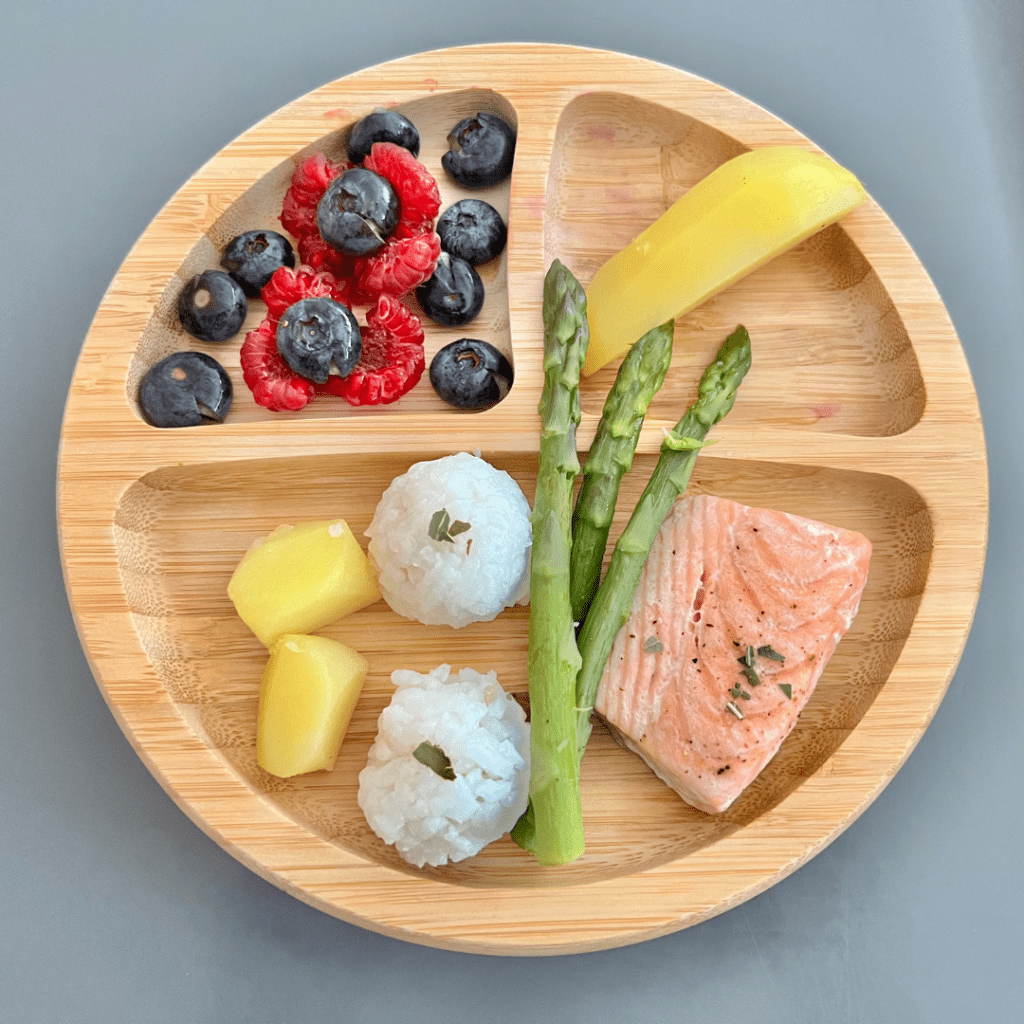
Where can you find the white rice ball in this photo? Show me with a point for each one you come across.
(470, 577)
(483, 732)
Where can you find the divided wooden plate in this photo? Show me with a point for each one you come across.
(859, 410)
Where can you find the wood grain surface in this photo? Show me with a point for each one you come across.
(859, 410)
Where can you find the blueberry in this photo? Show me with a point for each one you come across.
(252, 258)
(471, 374)
(472, 230)
(358, 212)
(382, 126)
(454, 294)
(313, 333)
(212, 306)
(184, 389)
(480, 151)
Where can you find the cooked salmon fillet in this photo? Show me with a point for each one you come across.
(725, 584)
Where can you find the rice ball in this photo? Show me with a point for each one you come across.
(449, 771)
(451, 541)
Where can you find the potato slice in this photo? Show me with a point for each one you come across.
(302, 577)
(307, 695)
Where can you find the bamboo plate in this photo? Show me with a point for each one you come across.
(859, 410)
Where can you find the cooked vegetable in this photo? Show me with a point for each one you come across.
(610, 607)
(302, 577)
(307, 695)
(553, 827)
(740, 216)
(639, 378)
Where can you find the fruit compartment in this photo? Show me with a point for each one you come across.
(259, 208)
(179, 532)
(618, 163)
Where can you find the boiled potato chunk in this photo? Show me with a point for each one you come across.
(744, 213)
(307, 695)
(302, 577)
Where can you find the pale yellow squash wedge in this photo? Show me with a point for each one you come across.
(743, 214)
(307, 695)
(302, 577)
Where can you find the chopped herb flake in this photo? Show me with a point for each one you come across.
(786, 689)
(442, 527)
(439, 523)
(652, 645)
(435, 759)
(769, 652)
(751, 673)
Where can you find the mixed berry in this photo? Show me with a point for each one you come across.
(391, 358)
(472, 230)
(184, 389)
(315, 334)
(454, 294)
(382, 126)
(212, 306)
(471, 374)
(251, 258)
(358, 213)
(364, 237)
(410, 248)
(480, 151)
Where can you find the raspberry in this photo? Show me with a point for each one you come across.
(271, 382)
(392, 359)
(391, 363)
(402, 265)
(309, 183)
(411, 253)
(316, 253)
(287, 286)
(417, 191)
(297, 218)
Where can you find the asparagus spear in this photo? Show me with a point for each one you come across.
(610, 607)
(637, 382)
(553, 827)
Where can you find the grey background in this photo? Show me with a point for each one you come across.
(114, 907)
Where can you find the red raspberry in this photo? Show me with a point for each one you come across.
(410, 255)
(403, 264)
(287, 286)
(417, 190)
(309, 183)
(316, 253)
(392, 360)
(391, 363)
(272, 383)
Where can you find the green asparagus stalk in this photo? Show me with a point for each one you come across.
(640, 376)
(552, 829)
(614, 598)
